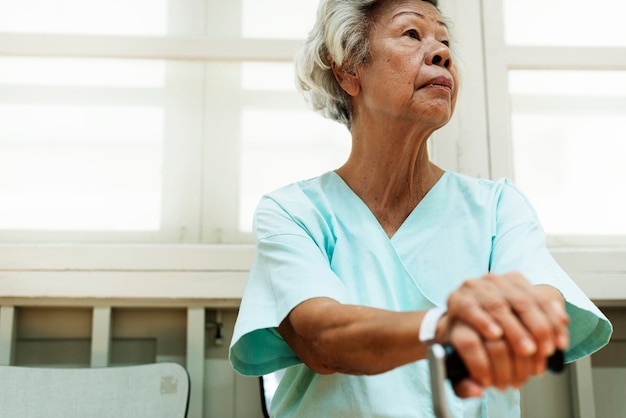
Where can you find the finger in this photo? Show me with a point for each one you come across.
(497, 297)
(524, 368)
(521, 341)
(562, 339)
(557, 326)
(464, 304)
(471, 349)
(467, 388)
(501, 363)
(536, 323)
(539, 364)
(553, 304)
(541, 311)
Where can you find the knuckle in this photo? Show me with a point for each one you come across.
(470, 284)
(468, 345)
(496, 305)
(453, 298)
(459, 302)
(499, 354)
(542, 329)
(542, 299)
(522, 302)
(491, 278)
(498, 348)
(517, 277)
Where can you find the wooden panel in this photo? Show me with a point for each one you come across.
(609, 384)
(7, 334)
(591, 260)
(196, 330)
(248, 397)
(583, 400)
(219, 389)
(101, 337)
(600, 272)
(547, 396)
(124, 257)
(53, 336)
(52, 352)
(127, 288)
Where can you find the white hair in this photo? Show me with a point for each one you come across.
(341, 31)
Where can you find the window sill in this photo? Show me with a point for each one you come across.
(194, 274)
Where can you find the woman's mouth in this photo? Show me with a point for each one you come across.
(439, 82)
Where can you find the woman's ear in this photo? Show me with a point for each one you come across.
(348, 80)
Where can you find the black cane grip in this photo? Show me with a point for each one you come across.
(456, 370)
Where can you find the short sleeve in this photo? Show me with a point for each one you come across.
(519, 245)
(291, 266)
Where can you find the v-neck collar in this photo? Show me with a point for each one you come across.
(424, 206)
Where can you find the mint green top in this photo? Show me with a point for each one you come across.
(316, 238)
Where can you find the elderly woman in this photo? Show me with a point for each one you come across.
(359, 269)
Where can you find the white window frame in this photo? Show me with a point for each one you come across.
(463, 144)
(499, 59)
(201, 152)
(476, 142)
(596, 263)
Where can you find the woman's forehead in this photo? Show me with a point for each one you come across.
(391, 10)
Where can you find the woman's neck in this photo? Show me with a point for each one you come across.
(390, 174)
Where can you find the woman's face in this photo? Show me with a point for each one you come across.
(409, 73)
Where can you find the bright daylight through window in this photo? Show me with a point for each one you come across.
(105, 144)
(567, 125)
(181, 150)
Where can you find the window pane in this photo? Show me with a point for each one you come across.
(111, 17)
(268, 76)
(565, 23)
(280, 147)
(92, 164)
(24, 71)
(278, 19)
(80, 168)
(282, 139)
(569, 147)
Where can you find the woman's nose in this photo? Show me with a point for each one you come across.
(439, 55)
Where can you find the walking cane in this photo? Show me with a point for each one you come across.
(445, 363)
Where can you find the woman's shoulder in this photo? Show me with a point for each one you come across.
(306, 189)
(304, 200)
(493, 193)
(476, 186)
(301, 207)
(481, 184)
(474, 182)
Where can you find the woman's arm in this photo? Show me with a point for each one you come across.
(503, 328)
(331, 337)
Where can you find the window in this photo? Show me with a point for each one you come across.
(82, 144)
(574, 23)
(561, 69)
(568, 145)
(556, 93)
(165, 121)
(152, 121)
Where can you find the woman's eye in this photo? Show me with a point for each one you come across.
(412, 33)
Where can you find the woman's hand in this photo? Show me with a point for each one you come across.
(504, 329)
